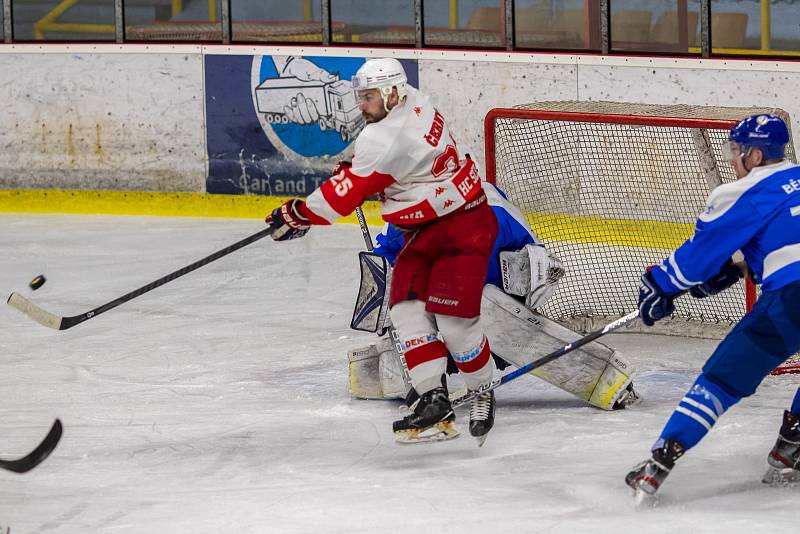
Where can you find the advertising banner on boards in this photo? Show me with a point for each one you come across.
(277, 125)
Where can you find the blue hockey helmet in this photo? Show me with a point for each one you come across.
(767, 132)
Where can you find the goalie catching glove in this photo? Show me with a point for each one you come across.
(531, 272)
(288, 221)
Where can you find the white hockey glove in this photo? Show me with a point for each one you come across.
(532, 273)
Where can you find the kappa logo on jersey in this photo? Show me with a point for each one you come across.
(439, 191)
(448, 203)
(437, 128)
(418, 111)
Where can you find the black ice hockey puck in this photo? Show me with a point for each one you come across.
(38, 282)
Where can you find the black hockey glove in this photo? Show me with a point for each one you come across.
(288, 222)
(654, 302)
(725, 278)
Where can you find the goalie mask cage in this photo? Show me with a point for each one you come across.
(612, 188)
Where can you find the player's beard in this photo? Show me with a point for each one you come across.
(369, 118)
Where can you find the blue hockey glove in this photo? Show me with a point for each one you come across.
(654, 302)
(288, 222)
(725, 278)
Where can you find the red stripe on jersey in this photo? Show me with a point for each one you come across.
(347, 191)
(475, 364)
(425, 353)
(419, 213)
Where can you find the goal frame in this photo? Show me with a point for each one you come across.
(751, 294)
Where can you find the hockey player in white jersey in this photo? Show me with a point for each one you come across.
(521, 278)
(759, 215)
(408, 156)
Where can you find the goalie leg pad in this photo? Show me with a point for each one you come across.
(594, 373)
(377, 372)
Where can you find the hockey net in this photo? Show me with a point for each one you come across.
(612, 188)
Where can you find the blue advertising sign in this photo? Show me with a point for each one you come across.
(277, 125)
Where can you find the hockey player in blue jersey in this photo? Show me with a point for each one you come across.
(759, 215)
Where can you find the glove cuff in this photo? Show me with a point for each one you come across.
(293, 214)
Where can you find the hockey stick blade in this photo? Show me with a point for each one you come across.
(36, 313)
(26, 463)
(58, 322)
(569, 347)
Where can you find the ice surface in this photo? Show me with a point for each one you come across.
(218, 404)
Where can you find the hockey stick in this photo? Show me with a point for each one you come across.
(26, 463)
(569, 347)
(362, 222)
(58, 322)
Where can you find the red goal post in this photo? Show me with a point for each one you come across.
(612, 188)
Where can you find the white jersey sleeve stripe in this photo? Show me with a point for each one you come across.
(778, 259)
(316, 203)
(672, 279)
(684, 282)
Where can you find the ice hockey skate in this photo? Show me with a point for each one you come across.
(784, 458)
(647, 477)
(431, 419)
(481, 416)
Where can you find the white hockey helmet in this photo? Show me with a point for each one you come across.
(383, 74)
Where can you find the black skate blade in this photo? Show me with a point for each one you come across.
(481, 440)
(781, 477)
(442, 431)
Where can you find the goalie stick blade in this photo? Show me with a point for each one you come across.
(26, 463)
(36, 313)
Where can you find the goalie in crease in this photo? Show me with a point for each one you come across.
(521, 277)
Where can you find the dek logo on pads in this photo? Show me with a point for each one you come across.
(306, 105)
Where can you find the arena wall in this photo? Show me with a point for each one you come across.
(164, 118)
(102, 121)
